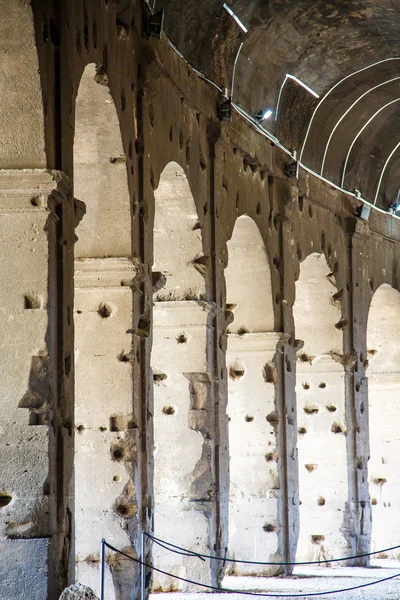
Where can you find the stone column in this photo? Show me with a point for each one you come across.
(355, 363)
(183, 480)
(287, 437)
(255, 493)
(36, 366)
(105, 496)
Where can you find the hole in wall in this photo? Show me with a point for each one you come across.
(311, 409)
(124, 357)
(306, 386)
(168, 410)
(301, 430)
(331, 407)
(269, 373)
(379, 481)
(181, 339)
(311, 467)
(236, 371)
(104, 310)
(273, 418)
(37, 201)
(118, 453)
(321, 501)
(270, 527)
(126, 510)
(317, 539)
(5, 499)
(249, 419)
(32, 302)
(242, 330)
(337, 428)
(304, 357)
(271, 457)
(322, 385)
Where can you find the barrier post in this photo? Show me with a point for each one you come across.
(143, 569)
(102, 569)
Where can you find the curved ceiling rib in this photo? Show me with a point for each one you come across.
(332, 89)
(348, 127)
(347, 111)
(363, 128)
(389, 158)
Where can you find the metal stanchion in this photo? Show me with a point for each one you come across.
(102, 568)
(143, 569)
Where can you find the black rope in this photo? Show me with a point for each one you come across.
(282, 564)
(254, 594)
(182, 553)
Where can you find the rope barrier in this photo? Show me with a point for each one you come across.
(174, 548)
(244, 593)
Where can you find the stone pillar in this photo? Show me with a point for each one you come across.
(254, 496)
(287, 439)
(355, 363)
(322, 458)
(105, 496)
(183, 480)
(36, 419)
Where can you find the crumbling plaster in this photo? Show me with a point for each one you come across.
(167, 113)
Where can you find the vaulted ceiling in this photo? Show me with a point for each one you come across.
(340, 107)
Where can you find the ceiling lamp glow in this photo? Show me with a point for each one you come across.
(238, 21)
(263, 114)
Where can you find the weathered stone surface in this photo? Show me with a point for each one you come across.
(23, 569)
(78, 592)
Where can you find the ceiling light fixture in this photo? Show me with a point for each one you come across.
(263, 115)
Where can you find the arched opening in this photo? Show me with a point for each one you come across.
(383, 334)
(105, 426)
(254, 493)
(183, 484)
(321, 419)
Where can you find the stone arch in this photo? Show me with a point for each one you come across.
(105, 425)
(383, 333)
(321, 418)
(247, 273)
(183, 484)
(254, 492)
(22, 142)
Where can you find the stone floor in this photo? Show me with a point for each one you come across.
(308, 583)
